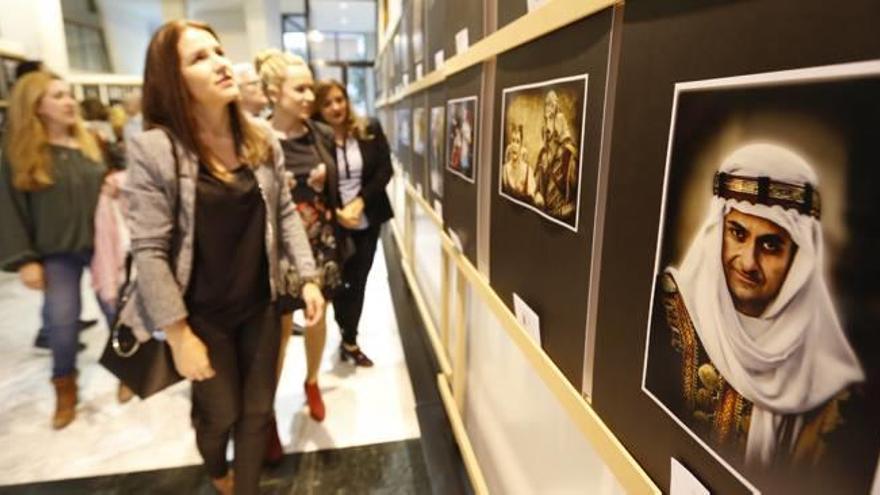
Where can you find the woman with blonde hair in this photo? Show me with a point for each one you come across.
(210, 216)
(364, 167)
(50, 180)
(308, 158)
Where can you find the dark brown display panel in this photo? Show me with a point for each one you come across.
(461, 14)
(545, 261)
(664, 45)
(459, 193)
(419, 148)
(436, 142)
(511, 10)
(435, 31)
(403, 130)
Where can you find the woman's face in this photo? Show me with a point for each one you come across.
(297, 96)
(57, 106)
(335, 107)
(206, 71)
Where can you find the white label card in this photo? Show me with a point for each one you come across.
(683, 482)
(439, 58)
(461, 41)
(534, 4)
(438, 208)
(456, 241)
(528, 318)
(419, 71)
(405, 78)
(419, 189)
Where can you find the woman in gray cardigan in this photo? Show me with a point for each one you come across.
(209, 278)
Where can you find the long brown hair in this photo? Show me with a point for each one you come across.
(167, 103)
(355, 125)
(25, 141)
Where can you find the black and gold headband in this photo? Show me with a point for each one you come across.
(763, 190)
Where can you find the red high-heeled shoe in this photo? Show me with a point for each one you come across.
(356, 355)
(316, 403)
(274, 451)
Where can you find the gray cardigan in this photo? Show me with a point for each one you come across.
(163, 257)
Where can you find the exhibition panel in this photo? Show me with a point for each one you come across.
(676, 228)
(550, 103)
(766, 378)
(462, 142)
(463, 27)
(419, 148)
(436, 155)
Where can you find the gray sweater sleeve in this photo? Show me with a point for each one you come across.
(16, 244)
(294, 238)
(150, 184)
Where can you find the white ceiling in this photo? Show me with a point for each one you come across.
(339, 15)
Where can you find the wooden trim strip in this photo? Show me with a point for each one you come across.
(471, 465)
(628, 472)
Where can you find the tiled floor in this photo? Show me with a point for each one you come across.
(386, 468)
(364, 406)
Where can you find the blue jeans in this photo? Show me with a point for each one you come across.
(61, 307)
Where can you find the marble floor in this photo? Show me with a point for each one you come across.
(364, 406)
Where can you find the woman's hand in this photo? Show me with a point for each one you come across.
(189, 352)
(317, 176)
(314, 300)
(350, 215)
(290, 179)
(110, 187)
(31, 275)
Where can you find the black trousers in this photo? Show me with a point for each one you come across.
(349, 302)
(238, 400)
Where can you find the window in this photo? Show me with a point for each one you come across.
(85, 47)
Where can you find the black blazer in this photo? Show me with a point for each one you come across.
(376, 174)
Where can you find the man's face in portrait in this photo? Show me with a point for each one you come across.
(756, 254)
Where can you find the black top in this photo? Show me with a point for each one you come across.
(57, 219)
(302, 154)
(230, 276)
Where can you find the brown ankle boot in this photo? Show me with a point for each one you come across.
(65, 400)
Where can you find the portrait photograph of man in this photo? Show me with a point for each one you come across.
(541, 147)
(764, 332)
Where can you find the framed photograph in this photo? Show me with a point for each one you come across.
(759, 342)
(419, 130)
(461, 137)
(404, 126)
(435, 160)
(542, 146)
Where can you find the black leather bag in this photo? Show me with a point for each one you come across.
(144, 367)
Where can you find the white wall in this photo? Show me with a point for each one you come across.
(231, 28)
(245, 27)
(128, 27)
(38, 27)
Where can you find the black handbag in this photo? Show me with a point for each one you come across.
(144, 367)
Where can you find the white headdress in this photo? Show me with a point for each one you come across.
(795, 356)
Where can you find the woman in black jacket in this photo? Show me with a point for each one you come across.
(364, 169)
